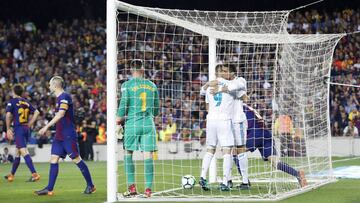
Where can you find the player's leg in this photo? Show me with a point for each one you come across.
(237, 137)
(10, 177)
(72, 150)
(53, 173)
(211, 142)
(34, 175)
(282, 166)
(57, 151)
(226, 141)
(148, 146)
(227, 165)
(131, 143)
(90, 188)
(240, 130)
(268, 152)
(149, 172)
(129, 173)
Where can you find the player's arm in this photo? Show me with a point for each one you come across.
(245, 97)
(57, 117)
(8, 119)
(213, 84)
(121, 113)
(203, 89)
(156, 108)
(207, 102)
(9, 132)
(36, 114)
(235, 85)
(123, 106)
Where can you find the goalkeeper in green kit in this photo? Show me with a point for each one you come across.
(139, 105)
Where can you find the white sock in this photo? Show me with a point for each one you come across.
(205, 164)
(243, 162)
(227, 164)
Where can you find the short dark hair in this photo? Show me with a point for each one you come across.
(18, 89)
(232, 68)
(218, 67)
(137, 64)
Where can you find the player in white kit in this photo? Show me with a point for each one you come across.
(218, 129)
(237, 88)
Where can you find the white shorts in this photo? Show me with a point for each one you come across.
(218, 131)
(240, 133)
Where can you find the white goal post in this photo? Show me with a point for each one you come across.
(286, 76)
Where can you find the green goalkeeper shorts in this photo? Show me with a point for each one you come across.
(140, 135)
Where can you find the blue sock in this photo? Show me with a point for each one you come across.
(29, 163)
(15, 165)
(237, 164)
(86, 173)
(287, 169)
(54, 170)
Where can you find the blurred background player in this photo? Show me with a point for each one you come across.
(237, 88)
(65, 142)
(6, 157)
(218, 128)
(18, 111)
(138, 106)
(258, 137)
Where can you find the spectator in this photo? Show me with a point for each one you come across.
(197, 133)
(91, 133)
(351, 130)
(284, 129)
(2, 132)
(82, 137)
(335, 130)
(354, 114)
(101, 136)
(169, 131)
(6, 158)
(43, 139)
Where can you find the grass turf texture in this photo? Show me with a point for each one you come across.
(70, 184)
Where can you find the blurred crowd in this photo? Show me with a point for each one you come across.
(176, 60)
(344, 106)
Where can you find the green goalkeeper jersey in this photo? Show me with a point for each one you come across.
(139, 99)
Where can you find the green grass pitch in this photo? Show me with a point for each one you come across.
(70, 185)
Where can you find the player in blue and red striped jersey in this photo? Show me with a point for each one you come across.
(258, 137)
(65, 142)
(18, 110)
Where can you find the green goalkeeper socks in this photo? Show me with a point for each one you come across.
(149, 172)
(129, 169)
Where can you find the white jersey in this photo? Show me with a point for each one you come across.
(221, 105)
(237, 87)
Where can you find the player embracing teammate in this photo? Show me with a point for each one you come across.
(248, 131)
(218, 127)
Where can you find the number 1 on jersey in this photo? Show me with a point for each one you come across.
(143, 101)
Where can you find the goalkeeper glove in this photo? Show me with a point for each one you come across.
(119, 132)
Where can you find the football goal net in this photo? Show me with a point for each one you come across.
(286, 78)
